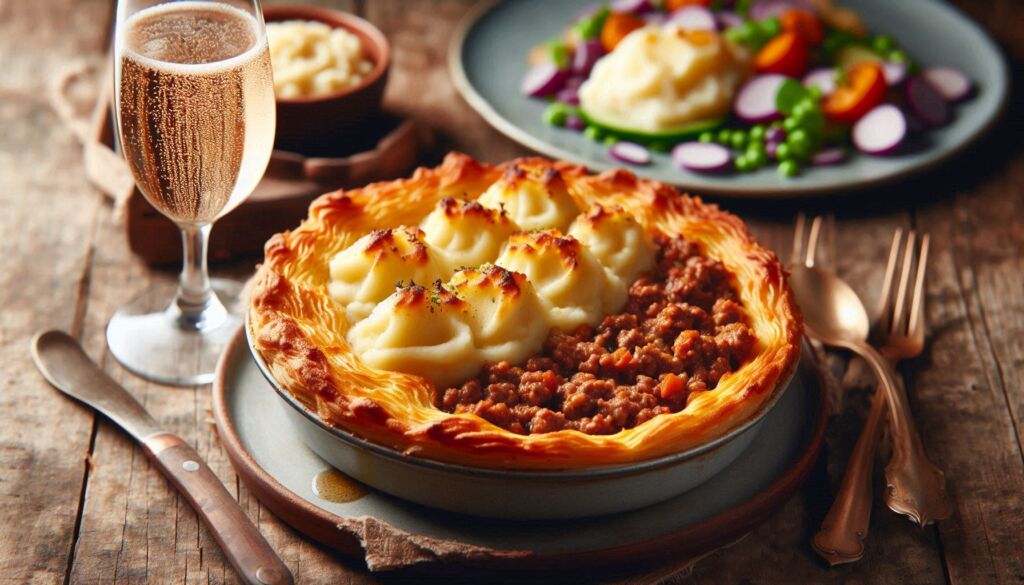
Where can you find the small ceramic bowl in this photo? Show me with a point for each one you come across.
(307, 123)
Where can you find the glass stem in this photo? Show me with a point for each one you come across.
(197, 305)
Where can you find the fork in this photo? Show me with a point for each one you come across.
(901, 329)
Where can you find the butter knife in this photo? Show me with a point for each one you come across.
(65, 365)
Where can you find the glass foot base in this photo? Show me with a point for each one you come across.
(155, 341)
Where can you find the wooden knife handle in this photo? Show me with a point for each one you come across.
(237, 536)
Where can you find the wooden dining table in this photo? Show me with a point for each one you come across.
(80, 503)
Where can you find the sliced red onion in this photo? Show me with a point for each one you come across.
(895, 73)
(762, 9)
(587, 53)
(694, 18)
(543, 79)
(702, 157)
(828, 156)
(568, 95)
(771, 149)
(880, 131)
(824, 79)
(926, 102)
(728, 19)
(574, 122)
(630, 152)
(950, 82)
(633, 6)
(755, 102)
(574, 81)
(775, 134)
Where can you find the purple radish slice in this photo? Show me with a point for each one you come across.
(828, 156)
(568, 95)
(694, 18)
(574, 122)
(771, 149)
(728, 19)
(880, 131)
(543, 79)
(926, 102)
(762, 9)
(755, 102)
(630, 152)
(587, 53)
(895, 73)
(633, 6)
(914, 124)
(775, 134)
(824, 79)
(950, 82)
(702, 157)
(574, 81)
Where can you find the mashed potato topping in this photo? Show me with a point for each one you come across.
(311, 58)
(659, 79)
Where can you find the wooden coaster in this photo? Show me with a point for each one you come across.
(383, 148)
(388, 533)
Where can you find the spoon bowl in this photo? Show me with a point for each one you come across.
(832, 311)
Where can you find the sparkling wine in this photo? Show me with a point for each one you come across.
(195, 106)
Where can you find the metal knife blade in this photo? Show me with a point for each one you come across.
(65, 365)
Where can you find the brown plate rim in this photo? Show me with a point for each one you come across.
(694, 539)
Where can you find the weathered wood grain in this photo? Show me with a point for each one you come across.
(46, 213)
(967, 388)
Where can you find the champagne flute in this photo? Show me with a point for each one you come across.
(194, 102)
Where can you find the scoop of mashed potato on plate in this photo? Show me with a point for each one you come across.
(662, 78)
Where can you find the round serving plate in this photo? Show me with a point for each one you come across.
(487, 60)
(278, 466)
(524, 495)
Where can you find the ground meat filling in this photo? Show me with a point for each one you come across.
(682, 330)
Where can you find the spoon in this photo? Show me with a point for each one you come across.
(62, 362)
(835, 315)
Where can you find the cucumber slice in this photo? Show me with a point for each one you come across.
(675, 135)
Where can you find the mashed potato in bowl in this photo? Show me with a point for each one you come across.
(313, 59)
(660, 79)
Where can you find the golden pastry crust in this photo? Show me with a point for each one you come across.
(301, 333)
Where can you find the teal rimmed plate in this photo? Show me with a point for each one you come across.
(487, 59)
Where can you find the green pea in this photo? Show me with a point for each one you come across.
(799, 143)
(746, 31)
(899, 56)
(739, 139)
(556, 114)
(757, 132)
(815, 92)
(783, 152)
(610, 140)
(735, 35)
(724, 136)
(790, 124)
(743, 164)
(707, 137)
(770, 27)
(789, 168)
(593, 133)
(883, 43)
(756, 154)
